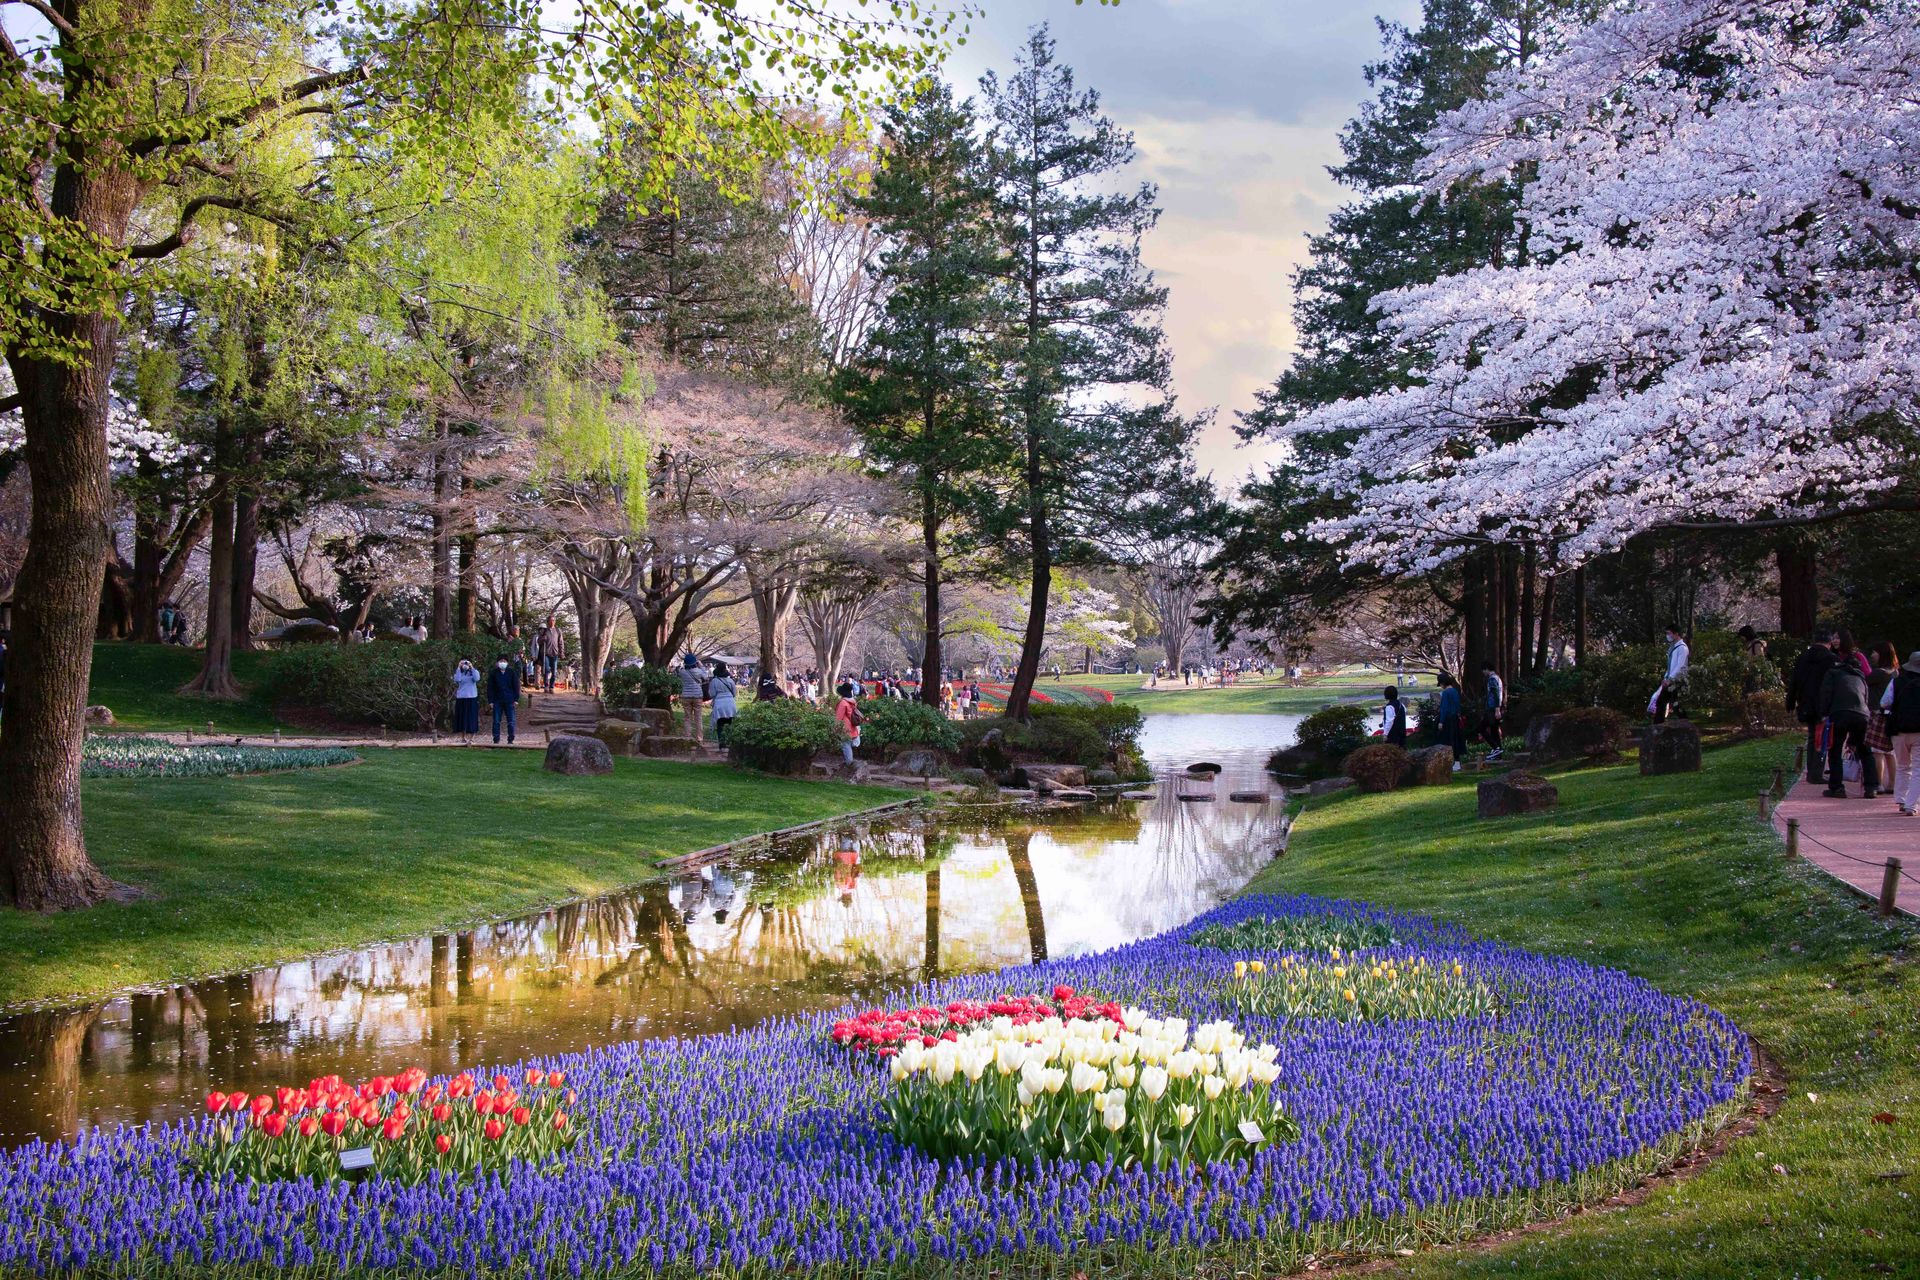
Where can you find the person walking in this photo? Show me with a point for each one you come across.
(503, 695)
(1901, 702)
(1393, 718)
(1452, 730)
(1495, 711)
(1843, 700)
(722, 689)
(549, 647)
(693, 695)
(1880, 674)
(466, 700)
(847, 712)
(1803, 697)
(1667, 697)
(1756, 650)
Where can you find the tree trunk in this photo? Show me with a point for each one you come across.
(930, 959)
(440, 622)
(1528, 572)
(56, 597)
(246, 562)
(114, 620)
(467, 596)
(1543, 643)
(148, 555)
(216, 668)
(1580, 616)
(932, 659)
(1475, 624)
(1799, 590)
(772, 609)
(1018, 852)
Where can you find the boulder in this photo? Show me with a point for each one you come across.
(577, 755)
(919, 762)
(1429, 766)
(1293, 761)
(1327, 786)
(652, 719)
(1673, 747)
(1204, 766)
(623, 737)
(1072, 793)
(1516, 792)
(1103, 778)
(1060, 775)
(97, 717)
(1136, 795)
(972, 777)
(1540, 735)
(661, 746)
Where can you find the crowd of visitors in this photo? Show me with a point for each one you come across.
(1861, 713)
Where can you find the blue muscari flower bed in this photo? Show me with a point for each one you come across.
(109, 756)
(761, 1151)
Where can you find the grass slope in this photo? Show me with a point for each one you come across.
(1676, 880)
(244, 871)
(1269, 695)
(138, 683)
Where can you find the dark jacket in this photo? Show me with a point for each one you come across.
(1803, 686)
(503, 687)
(1904, 716)
(1843, 693)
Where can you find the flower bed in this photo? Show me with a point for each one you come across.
(108, 756)
(772, 1149)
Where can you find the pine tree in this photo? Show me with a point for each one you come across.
(921, 390)
(1086, 364)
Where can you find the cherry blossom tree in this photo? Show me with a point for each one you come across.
(1716, 319)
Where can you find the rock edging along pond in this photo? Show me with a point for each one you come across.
(767, 1150)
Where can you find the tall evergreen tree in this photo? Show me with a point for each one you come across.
(921, 391)
(1085, 361)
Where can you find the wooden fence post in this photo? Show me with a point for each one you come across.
(1779, 782)
(1889, 887)
(1793, 837)
(1763, 797)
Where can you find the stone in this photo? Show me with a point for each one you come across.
(919, 762)
(972, 777)
(652, 719)
(1017, 793)
(667, 746)
(1673, 747)
(1293, 762)
(577, 755)
(623, 737)
(1429, 766)
(1540, 734)
(1060, 775)
(1248, 797)
(1136, 795)
(1103, 778)
(1517, 792)
(1327, 786)
(1204, 766)
(1073, 793)
(97, 717)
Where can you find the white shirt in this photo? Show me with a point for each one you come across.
(1387, 714)
(1677, 660)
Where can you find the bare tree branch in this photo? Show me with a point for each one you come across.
(200, 131)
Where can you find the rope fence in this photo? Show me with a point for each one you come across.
(1892, 870)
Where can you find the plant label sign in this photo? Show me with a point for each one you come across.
(1251, 1131)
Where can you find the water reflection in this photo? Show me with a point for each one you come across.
(804, 924)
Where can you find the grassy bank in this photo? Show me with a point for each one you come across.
(1676, 880)
(243, 871)
(138, 683)
(1268, 695)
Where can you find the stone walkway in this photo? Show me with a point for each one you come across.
(1852, 839)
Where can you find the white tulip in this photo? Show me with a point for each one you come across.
(1087, 1079)
(1153, 1081)
(1183, 1064)
(1008, 1056)
(1123, 1074)
(1056, 1079)
(1184, 1114)
(1266, 1072)
(1114, 1116)
(1214, 1085)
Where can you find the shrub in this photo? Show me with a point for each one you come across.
(1380, 767)
(1332, 732)
(403, 686)
(895, 722)
(1588, 731)
(780, 736)
(1545, 694)
(1760, 714)
(637, 685)
(1092, 736)
(1295, 933)
(1718, 685)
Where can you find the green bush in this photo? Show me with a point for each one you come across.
(1718, 685)
(1332, 732)
(1546, 694)
(897, 723)
(639, 686)
(1119, 723)
(1094, 736)
(1380, 767)
(402, 686)
(1593, 732)
(780, 736)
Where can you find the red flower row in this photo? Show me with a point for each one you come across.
(883, 1031)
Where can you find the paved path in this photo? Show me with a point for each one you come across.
(1852, 839)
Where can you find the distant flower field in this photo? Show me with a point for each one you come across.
(111, 756)
(1246, 1088)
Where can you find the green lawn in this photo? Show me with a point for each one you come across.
(1264, 696)
(138, 683)
(248, 870)
(1676, 880)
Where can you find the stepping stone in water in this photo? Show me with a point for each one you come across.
(1249, 797)
(1136, 795)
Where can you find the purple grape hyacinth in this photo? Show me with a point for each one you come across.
(764, 1150)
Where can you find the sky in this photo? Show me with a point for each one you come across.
(1236, 108)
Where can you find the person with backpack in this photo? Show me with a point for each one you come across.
(1393, 718)
(1901, 702)
(693, 696)
(1843, 700)
(722, 690)
(1496, 711)
(503, 695)
(466, 700)
(1803, 696)
(847, 712)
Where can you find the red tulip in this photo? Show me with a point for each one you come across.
(432, 1093)
(273, 1126)
(401, 1110)
(494, 1131)
(521, 1115)
(555, 1079)
(534, 1076)
(483, 1101)
(441, 1111)
(462, 1085)
(393, 1128)
(442, 1143)
(333, 1124)
(1063, 993)
(216, 1102)
(236, 1100)
(309, 1125)
(559, 1121)
(380, 1086)
(261, 1105)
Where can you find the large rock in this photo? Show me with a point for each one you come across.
(919, 762)
(652, 719)
(666, 746)
(1673, 747)
(1104, 778)
(1059, 775)
(577, 755)
(623, 737)
(1516, 792)
(973, 777)
(1429, 766)
(97, 717)
(1327, 786)
(1540, 735)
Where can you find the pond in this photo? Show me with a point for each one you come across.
(788, 927)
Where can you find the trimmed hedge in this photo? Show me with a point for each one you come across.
(402, 686)
(781, 736)
(896, 722)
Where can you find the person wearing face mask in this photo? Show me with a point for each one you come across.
(503, 692)
(466, 701)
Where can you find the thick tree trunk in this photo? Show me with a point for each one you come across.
(1475, 621)
(148, 555)
(772, 610)
(216, 668)
(1580, 616)
(440, 621)
(1799, 590)
(1018, 852)
(1529, 570)
(932, 659)
(246, 564)
(1543, 643)
(56, 598)
(115, 620)
(466, 601)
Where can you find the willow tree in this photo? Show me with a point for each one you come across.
(129, 120)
